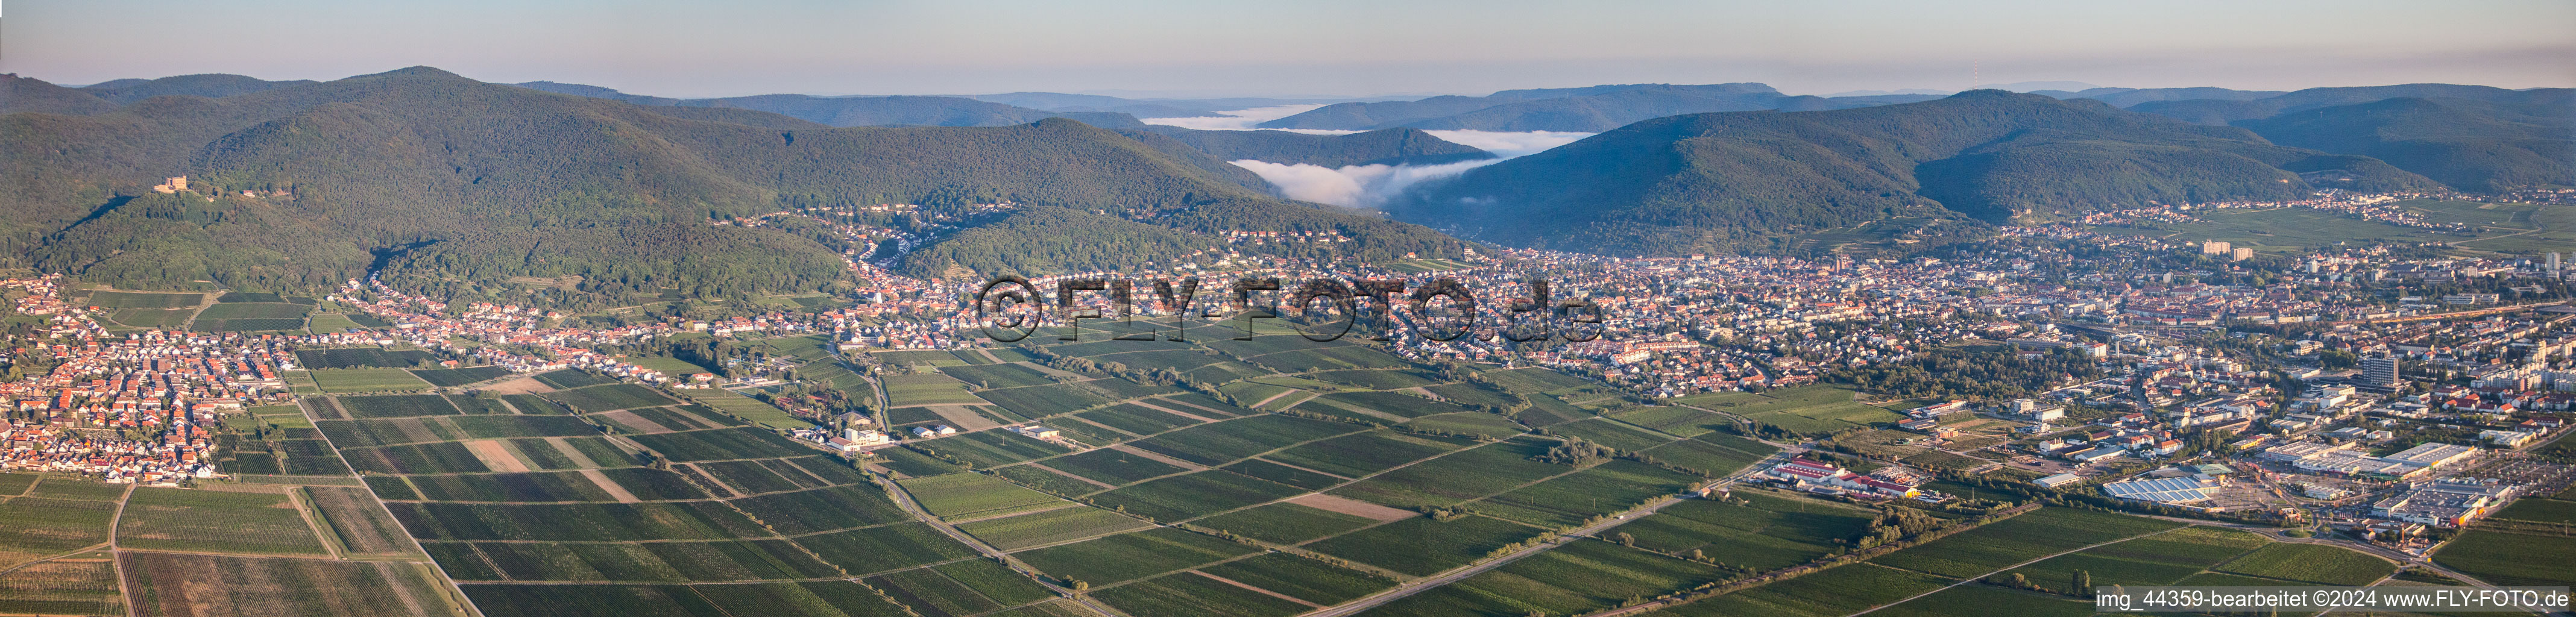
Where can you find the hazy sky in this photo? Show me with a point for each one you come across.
(1332, 47)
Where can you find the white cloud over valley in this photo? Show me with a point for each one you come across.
(1352, 186)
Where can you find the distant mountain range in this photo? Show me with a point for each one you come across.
(1756, 180)
(421, 171)
(371, 169)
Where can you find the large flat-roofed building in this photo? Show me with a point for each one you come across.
(2434, 454)
(2442, 502)
(2183, 490)
(2303, 450)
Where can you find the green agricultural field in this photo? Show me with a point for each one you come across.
(759, 476)
(1301, 577)
(1460, 476)
(1252, 393)
(1193, 495)
(993, 580)
(1534, 379)
(913, 464)
(1580, 577)
(1713, 454)
(283, 416)
(165, 319)
(1611, 433)
(673, 562)
(1373, 379)
(1284, 474)
(365, 433)
(673, 367)
(180, 584)
(1832, 593)
(815, 598)
(1284, 523)
(823, 510)
(254, 310)
(1366, 453)
(251, 317)
(1805, 409)
(1136, 419)
(451, 377)
(362, 357)
(594, 399)
(215, 521)
(1767, 533)
(427, 458)
(330, 323)
(1570, 499)
(2540, 511)
(1378, 406)
(1188, 594)
(1131, 556)
(1049, 527)
(73, 586)
(998, 375)
(718, 444)
(338, 381)
(575, 522)
(1976, 552)
(399, 406)
(2505, 558)
(536, 487)
(927, 389)
(1466, 423)
(570, 378)
(1219, 443)
(1980, 601)
(144, 299)
(1111, 466)
(989, 448)
(884, 548)
(355, 523)
(967, 495)
(40, 527)
(919, 356)
(929, 592)
(1422, 546)
(2312, 563)
(1680, 421)
(2159, 559)
(746, 408)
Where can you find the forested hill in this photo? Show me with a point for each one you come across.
(2473, 138)
(347, 172)
(1379, 147)
(859, 110)
(1755, 180)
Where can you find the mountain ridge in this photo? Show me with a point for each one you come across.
(1746, 180)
